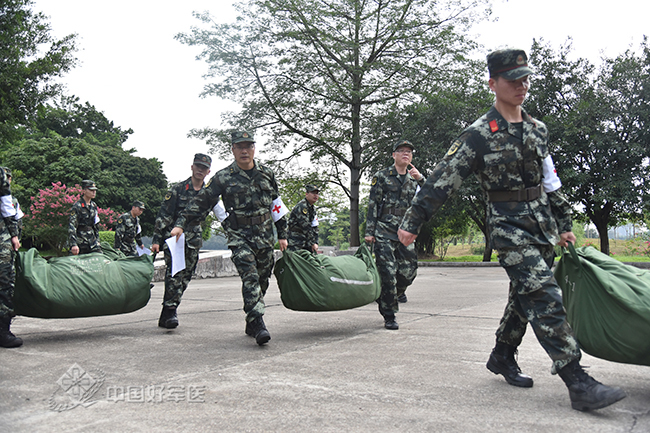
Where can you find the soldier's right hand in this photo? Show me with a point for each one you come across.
(74, 250)
(370, 239)
(155, 248)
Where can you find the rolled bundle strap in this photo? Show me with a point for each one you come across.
(393, 211)
(245, 221)
(528, 194)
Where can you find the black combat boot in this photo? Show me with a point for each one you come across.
(390, 322)
(502, 361)
(585, 392)
(259, 331)
(168, 318)
(7, 339)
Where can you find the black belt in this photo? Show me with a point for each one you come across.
(528, 194)
(244, 221)
(394, 211)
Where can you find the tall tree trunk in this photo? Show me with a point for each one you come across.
(604, 237)
(487, 252)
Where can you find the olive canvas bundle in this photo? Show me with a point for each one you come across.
(607, 305)
(315, 282)
(81, 286)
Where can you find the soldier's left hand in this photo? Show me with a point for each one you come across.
(176, 232)
(283, 244)
(567, 237)
(414, 172)
(15, 243)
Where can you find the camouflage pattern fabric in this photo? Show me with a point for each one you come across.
(8, 229)
(535, 297)
(244, 196)
(522, 232)
(387, 192)
(396, 263)
(176, 285)
(301, 233)
(82, 230)
(175, 202)
(128, 234)
(397, 266)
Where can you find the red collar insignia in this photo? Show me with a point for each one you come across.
(493, 126)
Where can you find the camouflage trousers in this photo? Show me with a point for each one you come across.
(254, 267)
(397, 266)
(7, 282)
(535, 297)
(88, 242)
(175, 285)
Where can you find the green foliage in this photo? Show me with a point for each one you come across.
(107, 238)
(598, 122)
(31, 61)
(311, 75)
(49, 214)
(92, 151)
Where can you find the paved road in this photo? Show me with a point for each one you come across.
(321, 372)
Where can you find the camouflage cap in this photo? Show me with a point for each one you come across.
(138, 203)
(88, 184)
(511, 64)
(311, 188)
(202, 159)
(403, 143)
(241, 137)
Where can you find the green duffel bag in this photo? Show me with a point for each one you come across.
(81, 286)
(314, 282)
(607, 305)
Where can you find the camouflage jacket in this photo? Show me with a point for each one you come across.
(83, 226)
(389, 199)
(8, 223)
(176, 200)
(128, 234)
(302, 234)
(501, 161)
(246, 199)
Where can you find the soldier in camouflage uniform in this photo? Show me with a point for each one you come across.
(527, 214)
(251, 198)
(83, 229)
(128, 233)
(9, 244)
(303, 223)
(391, 193)
(176, 200)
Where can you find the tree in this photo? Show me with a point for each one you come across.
(31, 60)
(598, 122)
(91, 149)
(311, 75)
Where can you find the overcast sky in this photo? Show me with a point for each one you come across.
(132, 69)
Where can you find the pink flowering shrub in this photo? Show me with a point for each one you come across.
(49, 215)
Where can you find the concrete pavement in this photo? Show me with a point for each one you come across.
(321, 372)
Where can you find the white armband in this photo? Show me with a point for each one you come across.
(220, 211)
(550, 181)
(278, 209)
(7, 207)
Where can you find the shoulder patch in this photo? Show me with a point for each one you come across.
(304, 211)
(120, 220)
(168, 195)
(454, 147)
(209, 182)
(374, 181)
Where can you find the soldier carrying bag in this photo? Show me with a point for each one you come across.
(607, 305)
(315, 282)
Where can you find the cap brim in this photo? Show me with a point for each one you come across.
(517, 73)
(202, 163)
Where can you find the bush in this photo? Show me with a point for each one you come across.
(107, 238)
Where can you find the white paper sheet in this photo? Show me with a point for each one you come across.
(177, 249)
